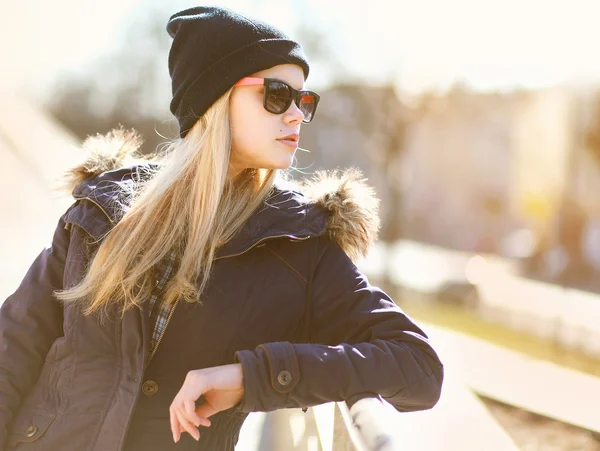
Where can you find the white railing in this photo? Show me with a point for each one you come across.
(364, 426)
(368, 424)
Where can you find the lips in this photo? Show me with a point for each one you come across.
(294, 137)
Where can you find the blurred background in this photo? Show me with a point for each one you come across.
(478, 123)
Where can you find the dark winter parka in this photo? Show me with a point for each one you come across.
(285, 300)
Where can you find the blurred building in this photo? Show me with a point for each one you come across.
(457, 170)
(472, 167)
(478, 165)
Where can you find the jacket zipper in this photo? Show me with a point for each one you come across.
(171, 311)
(293, 238)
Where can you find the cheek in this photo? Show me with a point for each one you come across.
(251, 126)
(246, 138)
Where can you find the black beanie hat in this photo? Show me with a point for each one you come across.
(213, 48)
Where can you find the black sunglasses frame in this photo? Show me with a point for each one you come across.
(295, 96)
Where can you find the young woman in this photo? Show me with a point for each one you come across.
(180, 294)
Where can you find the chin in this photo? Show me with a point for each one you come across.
(277, 166)
(286, 164)
(281, 163)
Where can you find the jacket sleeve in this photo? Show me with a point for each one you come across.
(366, 346)
(31, 319)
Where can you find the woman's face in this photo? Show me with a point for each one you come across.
(256, 133)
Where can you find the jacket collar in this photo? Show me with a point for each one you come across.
(338, 203)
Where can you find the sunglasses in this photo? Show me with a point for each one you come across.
(278, 96)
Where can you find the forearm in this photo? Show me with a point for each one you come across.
(279, 375)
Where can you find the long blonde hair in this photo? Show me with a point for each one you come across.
(189, 207)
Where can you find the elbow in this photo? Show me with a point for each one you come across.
(431, 391)
(423, 394)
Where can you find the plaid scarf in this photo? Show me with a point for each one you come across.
(159, 313)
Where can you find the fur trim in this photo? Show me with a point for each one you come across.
(116, 149)
(353, 206)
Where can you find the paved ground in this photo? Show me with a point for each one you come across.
(533, 432)
(541, 387)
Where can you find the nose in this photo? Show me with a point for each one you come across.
(293, 115)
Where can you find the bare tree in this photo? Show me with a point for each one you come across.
(128, 88)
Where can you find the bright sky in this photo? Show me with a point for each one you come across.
(423, 44)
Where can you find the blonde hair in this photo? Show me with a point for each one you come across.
(189, 207)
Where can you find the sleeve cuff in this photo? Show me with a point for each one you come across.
(284, 373)
(271, 372)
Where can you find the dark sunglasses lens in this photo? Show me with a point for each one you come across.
(277, 97)
(308, 105)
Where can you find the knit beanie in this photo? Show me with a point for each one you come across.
(212, 49)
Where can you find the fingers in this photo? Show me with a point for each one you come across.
(192, 415)
(186, 425)
(183, 417)
(223, 383)
(175, 429)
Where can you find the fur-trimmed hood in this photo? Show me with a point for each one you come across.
(338, 202)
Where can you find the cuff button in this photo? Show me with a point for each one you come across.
(284, 377)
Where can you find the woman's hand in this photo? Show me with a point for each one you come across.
(222, 387)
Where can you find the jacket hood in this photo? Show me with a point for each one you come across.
(337, 202)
